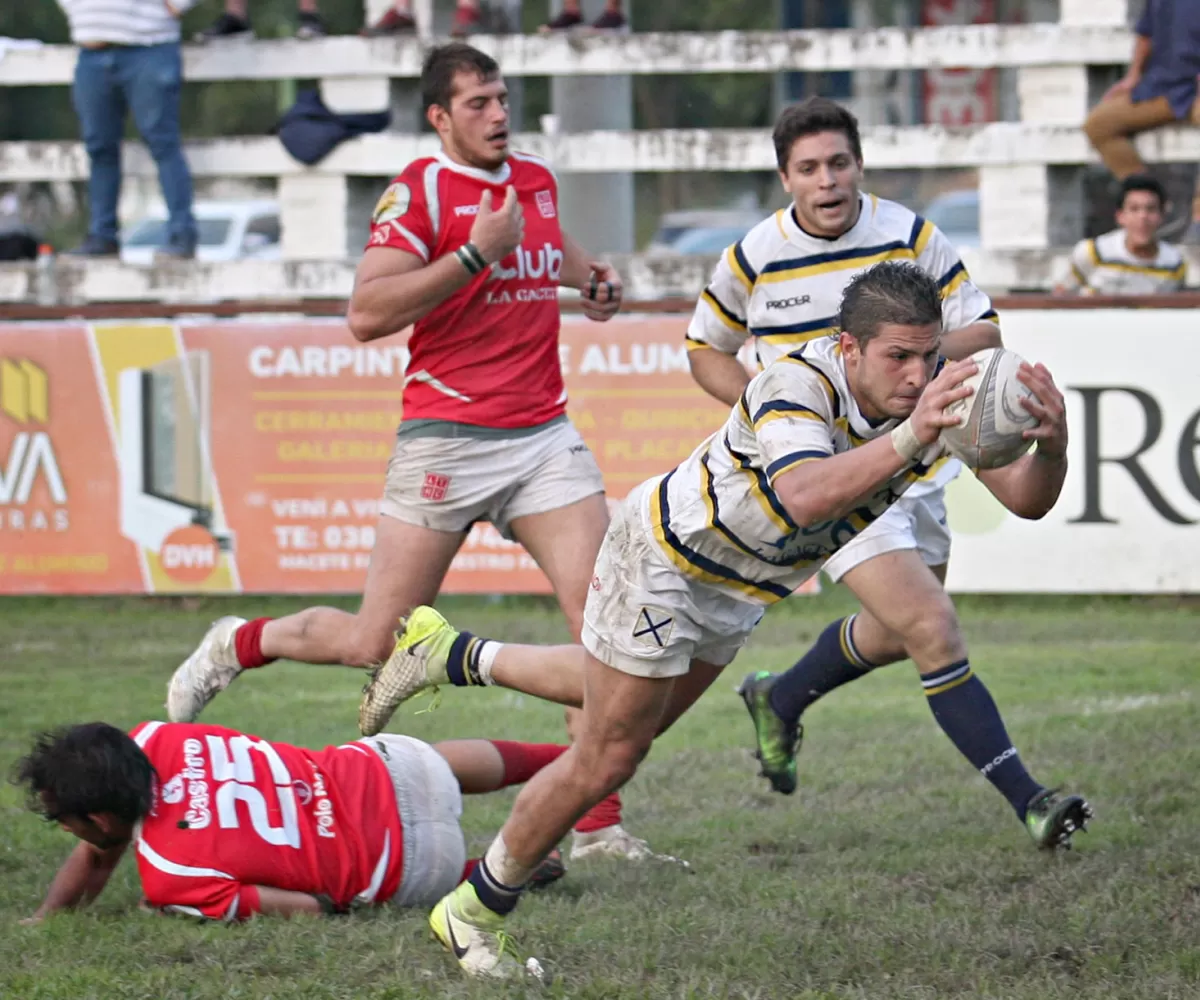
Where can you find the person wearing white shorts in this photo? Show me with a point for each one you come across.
(778, 289)
(484, 435)
(821, 445)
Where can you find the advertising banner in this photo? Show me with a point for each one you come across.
(240, 455)
(249, 456)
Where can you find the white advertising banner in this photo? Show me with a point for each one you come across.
(1128, 520)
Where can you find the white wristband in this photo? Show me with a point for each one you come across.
(904, 440)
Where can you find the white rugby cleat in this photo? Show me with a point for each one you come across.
(617, 842)
(206, 673)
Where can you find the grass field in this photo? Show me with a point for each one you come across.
(895, 871)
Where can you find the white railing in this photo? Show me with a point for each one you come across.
(1022, 202)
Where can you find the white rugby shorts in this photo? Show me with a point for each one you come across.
(429, 800)
(910, 523)
(645, 617)
(449, 483)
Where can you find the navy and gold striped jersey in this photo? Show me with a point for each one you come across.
(783, 287)
(1105, 266)
(717, 516)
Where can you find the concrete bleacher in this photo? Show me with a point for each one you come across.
(1029, 170)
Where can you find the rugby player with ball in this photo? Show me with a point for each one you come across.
(822, 443)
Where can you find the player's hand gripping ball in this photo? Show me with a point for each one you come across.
(993, 420)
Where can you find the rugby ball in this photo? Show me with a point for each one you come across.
(991, 418)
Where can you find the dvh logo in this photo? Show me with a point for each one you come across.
(25, 400)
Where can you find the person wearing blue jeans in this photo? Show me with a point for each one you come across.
(130, 63)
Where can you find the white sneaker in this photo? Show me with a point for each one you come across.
(617, 842)
(206, 673)
(610, 841)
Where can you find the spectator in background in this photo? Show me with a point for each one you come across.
(234, 23)
(470, 17)
(129, 61)
(612, 18)
(1129, 260)
(1159, 87)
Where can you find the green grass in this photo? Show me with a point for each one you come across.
(894, 872)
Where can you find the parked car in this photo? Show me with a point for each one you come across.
(226, 230)
(704, 231)
(956, 214)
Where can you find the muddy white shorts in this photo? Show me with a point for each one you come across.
(910, 523)
(430, 804)
(645, 617)
(449, 483)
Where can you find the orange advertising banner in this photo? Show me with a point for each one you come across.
(249, 456)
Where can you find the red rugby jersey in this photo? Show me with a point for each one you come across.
(232, 811)
(488, 355)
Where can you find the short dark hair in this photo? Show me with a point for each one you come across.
(443, 63)
(86, 769)
(890, 292)
(1142, 182)
(810, 116)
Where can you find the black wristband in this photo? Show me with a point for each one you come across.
(472, 251)
(466, 261)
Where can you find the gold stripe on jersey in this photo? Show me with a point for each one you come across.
(830, 390)
(699, 566)
(1147, 269)
(759, 488)
(740, 267)
(923, 237)
(856, 259)
(723, 313)
(955, 277)
(780, 409)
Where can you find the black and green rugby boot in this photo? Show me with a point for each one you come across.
(777, 741)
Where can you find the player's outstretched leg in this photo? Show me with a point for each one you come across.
(845, 651)
(430, 653)
(900, 591)
(408, 563)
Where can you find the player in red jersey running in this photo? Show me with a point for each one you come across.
(466, 247)
(226, 825)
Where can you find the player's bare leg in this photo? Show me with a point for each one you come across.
(901, 592)
(622, 713)
(408, 564)
(564, 542)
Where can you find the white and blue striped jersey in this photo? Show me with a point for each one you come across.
(783, 287)
(717, 517)
(1106, 266)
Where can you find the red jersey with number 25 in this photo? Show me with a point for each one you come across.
(488, 355)
(232, 812)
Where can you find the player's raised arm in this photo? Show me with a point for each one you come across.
(81, 878)
(396, 283)
(718, 328)
(1031, 485)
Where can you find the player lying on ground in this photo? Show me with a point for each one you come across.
(781, 284)
(226, 825)
(465, 246)
(821, 444)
